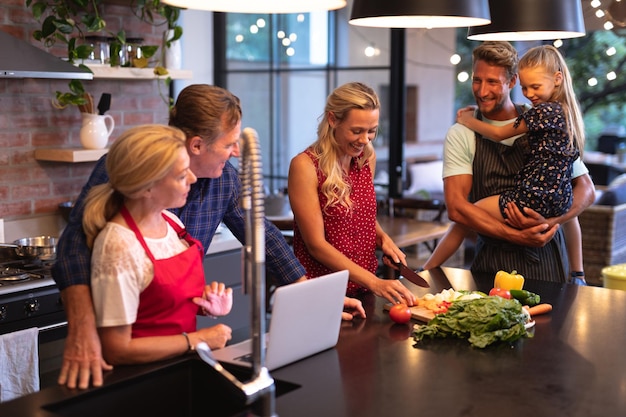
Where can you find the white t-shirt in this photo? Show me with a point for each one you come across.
(460, 147)
(121, 270)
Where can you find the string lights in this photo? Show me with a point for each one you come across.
(612, 13)
(286, 40)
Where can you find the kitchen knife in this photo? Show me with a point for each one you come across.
(409, 274)
(105, 103)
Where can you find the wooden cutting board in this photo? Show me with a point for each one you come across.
(417, 312)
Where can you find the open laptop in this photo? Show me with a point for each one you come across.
(305, 320)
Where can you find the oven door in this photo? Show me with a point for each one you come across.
(41, 308)
(51, 345)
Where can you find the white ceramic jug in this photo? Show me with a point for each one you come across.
(96, 129)
(172, 54)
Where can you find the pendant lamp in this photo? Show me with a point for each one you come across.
(419, 13)
(530, 20)
(259, 6)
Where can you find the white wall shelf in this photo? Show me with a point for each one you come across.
(129, 73)
(74, 155)
(69, 154)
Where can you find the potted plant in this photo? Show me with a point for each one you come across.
(68, 21)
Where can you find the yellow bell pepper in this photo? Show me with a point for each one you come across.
(508, 281)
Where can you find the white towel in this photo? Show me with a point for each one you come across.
(19, 364)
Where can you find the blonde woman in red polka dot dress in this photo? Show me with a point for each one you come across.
(331, 191)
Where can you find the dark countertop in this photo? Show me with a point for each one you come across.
(573, 366)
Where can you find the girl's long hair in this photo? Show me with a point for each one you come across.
(549, 58)
(347, 97)
(140, 157)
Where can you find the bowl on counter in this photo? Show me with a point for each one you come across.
(614, 277)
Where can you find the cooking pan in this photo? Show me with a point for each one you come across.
(9, 252)
(40, 247)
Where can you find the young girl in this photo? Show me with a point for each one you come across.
(555, 139)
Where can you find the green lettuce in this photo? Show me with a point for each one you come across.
(482, 321)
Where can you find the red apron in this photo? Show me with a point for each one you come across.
(166, 306)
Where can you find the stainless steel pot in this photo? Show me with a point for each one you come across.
(40, 247)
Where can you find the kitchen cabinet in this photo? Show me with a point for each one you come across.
(227, 267)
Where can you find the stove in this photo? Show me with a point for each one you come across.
(20, 275)
(29, 297)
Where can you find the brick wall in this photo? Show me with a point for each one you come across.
(29, 121)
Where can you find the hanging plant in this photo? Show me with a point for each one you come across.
(67, 21)
(157, 13)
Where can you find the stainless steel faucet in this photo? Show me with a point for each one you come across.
(260, 390)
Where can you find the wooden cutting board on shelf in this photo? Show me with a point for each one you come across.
(417, 312)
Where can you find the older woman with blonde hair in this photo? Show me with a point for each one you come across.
(147, 277)
(331, 191)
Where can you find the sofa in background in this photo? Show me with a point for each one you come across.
(425, 181)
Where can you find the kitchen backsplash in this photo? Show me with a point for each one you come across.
(31, 188)
(31, 226)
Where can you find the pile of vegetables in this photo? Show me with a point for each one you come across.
(526, 298)
(439, 303)
(481, 321)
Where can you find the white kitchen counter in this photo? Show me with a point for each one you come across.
(223, 242)
(53, 224)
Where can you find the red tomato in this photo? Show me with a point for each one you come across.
(400, 313)
(500, 293)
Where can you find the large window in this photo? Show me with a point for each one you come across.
(283, 67)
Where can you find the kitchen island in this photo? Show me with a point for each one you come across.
(573, 366)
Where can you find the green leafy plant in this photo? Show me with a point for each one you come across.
(165, 96)
(143, 58)
(67, 21)
(157, 13)
(148, 50)
(75, 97)
(171, 15)
(116, 48)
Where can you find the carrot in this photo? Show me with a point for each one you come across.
(539, 309)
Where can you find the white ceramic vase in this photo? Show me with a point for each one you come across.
(172, 54)
(95, 131)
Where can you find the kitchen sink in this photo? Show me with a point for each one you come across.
(186, 389)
